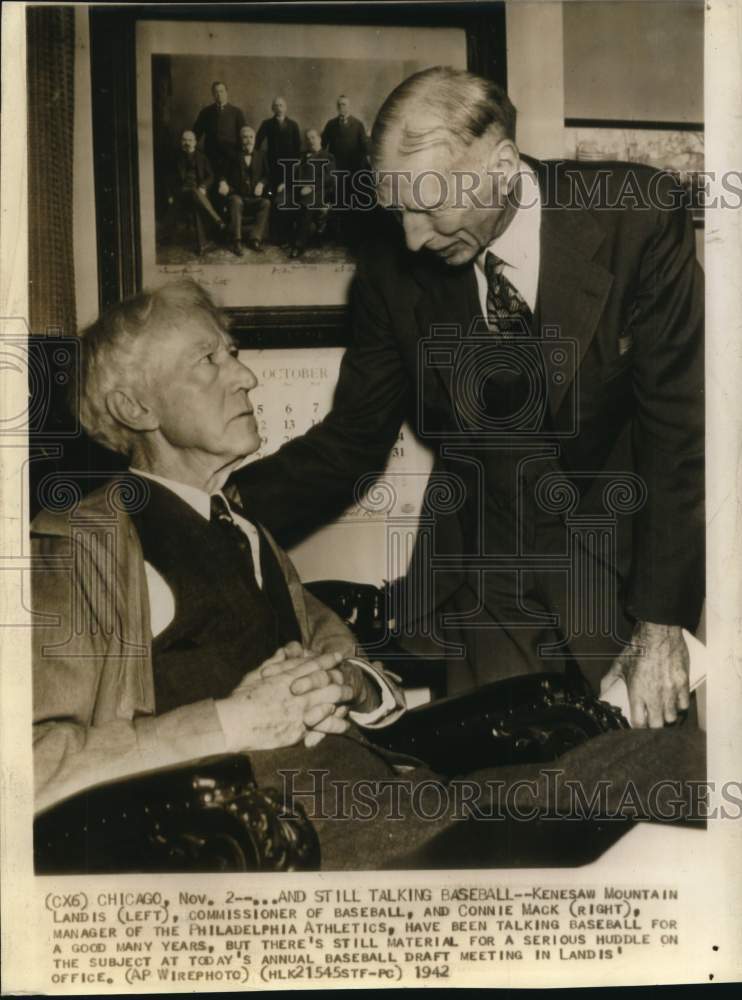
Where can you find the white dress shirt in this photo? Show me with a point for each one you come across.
(519, 246)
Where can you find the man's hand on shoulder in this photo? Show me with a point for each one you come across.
(655, 667)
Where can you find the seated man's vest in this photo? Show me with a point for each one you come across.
(224, 626)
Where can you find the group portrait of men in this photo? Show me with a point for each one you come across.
(244, 186)
(546, 347)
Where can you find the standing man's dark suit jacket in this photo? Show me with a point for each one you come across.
(623, 285)
(347, 141)
(282, 142)
(221, 129)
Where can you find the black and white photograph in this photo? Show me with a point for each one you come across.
(274, 216)
(370, 515)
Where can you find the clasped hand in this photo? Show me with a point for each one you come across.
(296, 694)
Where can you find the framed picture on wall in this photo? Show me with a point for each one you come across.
(232, 145)
(653, 114)
(677, 147)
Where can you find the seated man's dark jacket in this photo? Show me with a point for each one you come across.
(224, 625)
(242, 179)
(95, 701)
(190, 170)
(316, 170)
(621, 288)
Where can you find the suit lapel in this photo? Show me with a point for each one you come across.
(572, 287)
(572, 292)
(444, 312)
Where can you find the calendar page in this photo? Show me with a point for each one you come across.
(294, 392)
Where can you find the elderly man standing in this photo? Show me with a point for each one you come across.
(281, 139)
(541, 324)
(172, 627)
(345, 138)
(220, 123)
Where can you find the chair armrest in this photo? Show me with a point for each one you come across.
(533, 718)
(208, 815)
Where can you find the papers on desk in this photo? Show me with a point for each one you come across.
(618, 694)
(414, 697)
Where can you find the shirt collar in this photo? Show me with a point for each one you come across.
(197, 499)
(519, 244)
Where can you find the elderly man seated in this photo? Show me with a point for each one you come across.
(190, 184)
(314, 190)
(196, 635)
(169, 626)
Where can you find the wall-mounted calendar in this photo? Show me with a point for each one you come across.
(294, 392)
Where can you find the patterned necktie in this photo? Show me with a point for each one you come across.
(514, 390)
(221, 516)
(508, 314)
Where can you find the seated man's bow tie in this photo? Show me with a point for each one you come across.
(508, 314)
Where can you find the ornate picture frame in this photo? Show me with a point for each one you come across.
(298, 304)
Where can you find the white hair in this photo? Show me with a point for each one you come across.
(113, 351)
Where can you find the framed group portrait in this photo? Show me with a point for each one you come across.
(155, 73)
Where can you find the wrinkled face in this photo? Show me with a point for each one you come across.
(343, 106)
(188, 142)
(199, 391)
(279, 107)
(314, 140)
(448, 203)
(247, 138)
(220, 93)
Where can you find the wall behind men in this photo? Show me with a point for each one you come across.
(536, 75)
(642, 61)
(541, 73)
